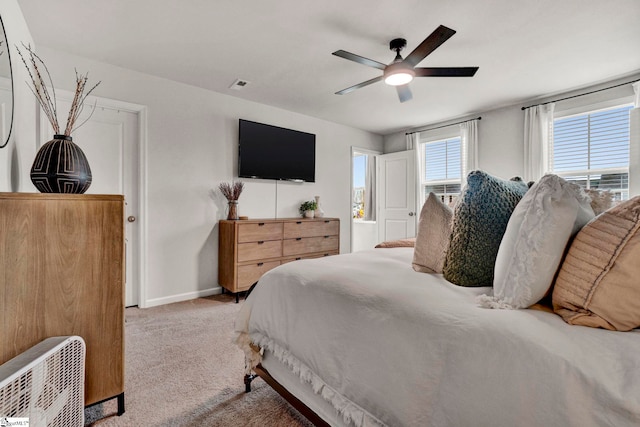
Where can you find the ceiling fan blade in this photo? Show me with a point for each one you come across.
(359, 85)
(428, 45)
(359, 59)
(445, 71)
(404, 93)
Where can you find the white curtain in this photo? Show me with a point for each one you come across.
(538, 140)
(634, 144)
(370, 189)
(413, 143)
(469, 148)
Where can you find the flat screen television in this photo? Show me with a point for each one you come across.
(271, 152)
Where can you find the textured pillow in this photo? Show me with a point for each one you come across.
(479, 221)
(432, 239)
(400, 243)
(601, 200)
(551, 212)
(599, 281)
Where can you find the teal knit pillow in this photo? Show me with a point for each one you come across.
(479, 222)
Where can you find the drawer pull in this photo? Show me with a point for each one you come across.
(260, 224)
(298, 258)
(298, 222)
(327, 254)
(326, 237)
(298, 238)
(326, 221)
(260, 264)
(261, 242)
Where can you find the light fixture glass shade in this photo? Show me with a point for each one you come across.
(399, 78)
(398, 73)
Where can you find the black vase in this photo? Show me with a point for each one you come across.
(60, 166)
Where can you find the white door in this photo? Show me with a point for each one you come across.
(109, 139)
(396, 196)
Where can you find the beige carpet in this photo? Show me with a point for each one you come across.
(183, 370)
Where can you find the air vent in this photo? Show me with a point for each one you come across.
(239, 84)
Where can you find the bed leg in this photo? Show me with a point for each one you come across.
(247, 382)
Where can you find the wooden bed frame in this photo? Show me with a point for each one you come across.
(307, 412)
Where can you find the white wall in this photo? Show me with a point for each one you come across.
(16, 158)
(501, 131)
(192, 147)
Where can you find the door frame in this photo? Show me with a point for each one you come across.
(142, 208)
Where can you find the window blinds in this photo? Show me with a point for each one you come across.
(442, 168)
(592, 149)
(442, 160)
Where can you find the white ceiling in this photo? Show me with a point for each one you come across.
(524, 48)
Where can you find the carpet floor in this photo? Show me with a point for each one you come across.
(182, 369)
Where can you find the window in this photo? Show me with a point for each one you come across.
(440, 165)
(359, 168)
(363, 190)
(592, 149)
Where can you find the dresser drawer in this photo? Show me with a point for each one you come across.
(259, 250)
(307, 245)
(250, 273)
(259, 231)
(311, 228)
(316, 255)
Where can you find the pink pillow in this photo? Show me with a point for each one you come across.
(599, 281)
(432, 239)
(400, 243)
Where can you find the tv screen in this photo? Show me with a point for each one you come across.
(271, 152)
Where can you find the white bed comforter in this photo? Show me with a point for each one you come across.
(387, 345)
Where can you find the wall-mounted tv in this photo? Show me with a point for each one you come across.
(271, 152)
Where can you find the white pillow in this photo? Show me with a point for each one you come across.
(549, 214)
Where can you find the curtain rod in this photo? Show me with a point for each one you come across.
(582, 94)
(443, 126)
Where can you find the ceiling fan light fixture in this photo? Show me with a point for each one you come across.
(398, 74)
(398, 79)
(402, 71)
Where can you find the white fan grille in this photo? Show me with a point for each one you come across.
(46, 385)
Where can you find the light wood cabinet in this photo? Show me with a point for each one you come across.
(248, 249)
(62, 261)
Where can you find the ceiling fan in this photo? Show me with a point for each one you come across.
(401, 71)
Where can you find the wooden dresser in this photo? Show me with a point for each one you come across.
(248, 249)
(62, 261)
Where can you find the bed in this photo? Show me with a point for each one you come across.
(452, 332)
(362, 339)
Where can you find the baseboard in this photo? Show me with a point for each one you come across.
(181, 297)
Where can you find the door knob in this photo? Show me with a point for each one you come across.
(131, 218)
(410, 213)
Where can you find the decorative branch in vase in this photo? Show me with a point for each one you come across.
(60, 165)
(231, 191)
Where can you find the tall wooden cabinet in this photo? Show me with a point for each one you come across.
(62, 261)
(248, 249)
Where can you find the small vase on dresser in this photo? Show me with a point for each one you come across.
(319, 213)
(231, 191)
(233, 210)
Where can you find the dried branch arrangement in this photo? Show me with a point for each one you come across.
(231, 191)
(37, 71)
